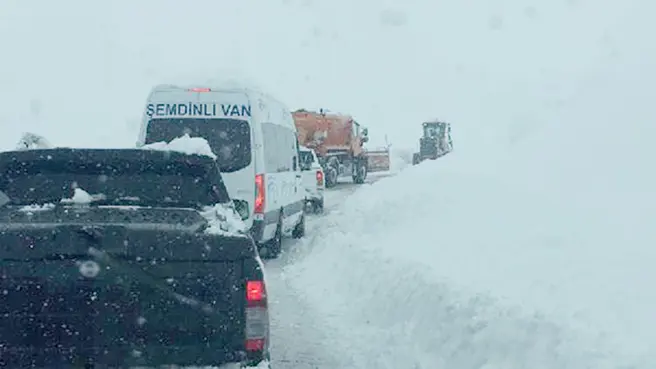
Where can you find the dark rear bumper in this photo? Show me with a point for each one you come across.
(99, 357)
(117, 323)
(152, 296)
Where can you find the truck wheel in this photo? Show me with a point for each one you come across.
(415, 159)
(360, 173)
(331, 177)
(332, 172)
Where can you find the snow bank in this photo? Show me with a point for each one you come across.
(441, 267)
(400, 159)
(185, 144)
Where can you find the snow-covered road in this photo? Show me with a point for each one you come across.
(476, 273)
(300, 340)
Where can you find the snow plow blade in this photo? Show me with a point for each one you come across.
(378, 160)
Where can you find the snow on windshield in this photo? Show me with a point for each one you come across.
(184, 144)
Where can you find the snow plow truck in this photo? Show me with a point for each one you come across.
(435, 142)
(337, 139)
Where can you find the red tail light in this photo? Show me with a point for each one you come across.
(199, 89)
(259, 194)
(319, 178)
(255, 292)
(257, 316)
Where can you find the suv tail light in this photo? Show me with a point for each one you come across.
(259, 194)
(319, 178)
(257, 316)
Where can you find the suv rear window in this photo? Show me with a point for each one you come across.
(121, 179)
(230, 139)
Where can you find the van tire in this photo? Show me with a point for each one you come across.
(273, 247)
(299, 230)
(317, 206)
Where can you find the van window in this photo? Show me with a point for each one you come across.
(279, 147)
(230, 139)
(306, 160)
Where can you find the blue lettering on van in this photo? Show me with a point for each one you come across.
(191, 109)
(236, 110)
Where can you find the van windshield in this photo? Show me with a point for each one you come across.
(230, 139)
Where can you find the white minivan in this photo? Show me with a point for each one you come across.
(254, 138)
(313, 180)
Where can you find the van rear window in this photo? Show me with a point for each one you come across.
(230, 139)
(306, 160)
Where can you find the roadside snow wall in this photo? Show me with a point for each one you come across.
(440, 267)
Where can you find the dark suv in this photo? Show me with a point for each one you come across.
(124, 257)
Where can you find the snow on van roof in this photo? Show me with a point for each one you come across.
(184, 144)
(227, 83)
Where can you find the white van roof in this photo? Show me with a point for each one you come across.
(251, 93)
(211, 87)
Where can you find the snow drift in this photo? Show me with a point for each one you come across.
(445, 267)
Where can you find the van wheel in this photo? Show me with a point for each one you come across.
(273, 246)
(318, 206)
(299, 230)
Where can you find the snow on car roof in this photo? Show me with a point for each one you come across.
(185, 144)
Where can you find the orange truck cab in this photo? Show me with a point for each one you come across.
(338, 141)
